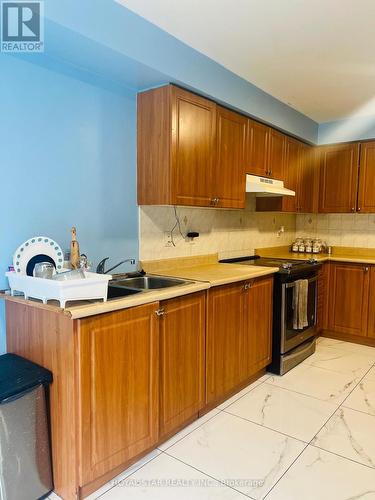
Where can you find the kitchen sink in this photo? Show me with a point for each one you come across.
(142, 283)
(116, 292)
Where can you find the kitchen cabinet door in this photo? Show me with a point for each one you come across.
(276, 154)
(366, 190)
(225, 340)
(257, 148)
(229, 176)
(291, 174)
(193, 148)
(308, 180)
(182, 361)
(119, 389)
(258, 325)
(338, 178)
(371, 311)
(349, 292)
(322, 298)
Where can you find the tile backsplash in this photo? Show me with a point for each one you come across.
(227, 232)
(347, 230)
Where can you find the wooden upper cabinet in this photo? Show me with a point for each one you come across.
(190, 151)
(193, 148)
(366, 190)
(291, 174)
(182, 361)
(348, 303)
(118, 389)
(301, 176)
(265, 151)
(176, 134)
(338, 178)
(276, 154)
(229, 173)
(257, 148)
(308, 180)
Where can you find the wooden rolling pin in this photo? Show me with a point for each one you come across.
(74, 250)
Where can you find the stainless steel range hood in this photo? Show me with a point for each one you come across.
(262, 186)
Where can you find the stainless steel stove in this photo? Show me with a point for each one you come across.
(290, 345)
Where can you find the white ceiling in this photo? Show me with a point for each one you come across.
(316, 55)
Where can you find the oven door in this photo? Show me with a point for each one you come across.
(291, 337)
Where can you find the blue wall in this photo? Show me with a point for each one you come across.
(67, 158)
(139, 48)
(68, 125)
(352, 129)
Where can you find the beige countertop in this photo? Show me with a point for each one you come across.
(339, 254)
(90, 308)
(220, 274)
(206, 272)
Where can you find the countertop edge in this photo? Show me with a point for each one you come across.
(140, 299)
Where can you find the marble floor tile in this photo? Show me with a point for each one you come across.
(128, 472)
(370, 375)
(168, 479)
(190, 428)
(231, 448)
(341, 361)
(363, 397)
(347, 346)
(282, 410)
(319, 475)
(351, 434)
(320, 383)
(244, 391)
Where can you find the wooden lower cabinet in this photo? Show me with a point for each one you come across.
(371, 306)
(322, 299)
(119, 390)
(239, 328)
(125, 381)
(182, 361)
(225, 339)
(258, 325)
(349, 298)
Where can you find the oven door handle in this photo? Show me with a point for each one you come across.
(293, 284)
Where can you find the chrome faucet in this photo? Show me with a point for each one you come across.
(100, 269)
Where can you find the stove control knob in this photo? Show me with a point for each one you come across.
(286, 265)
(312, 261)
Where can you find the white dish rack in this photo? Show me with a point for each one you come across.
(95, 286)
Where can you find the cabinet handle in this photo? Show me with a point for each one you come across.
(359, 209)
(366, 269)
(353, 209)
(213, 201)
(247, 286)
(217, 201)
(160, 312)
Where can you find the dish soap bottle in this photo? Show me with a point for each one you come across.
(74, 250)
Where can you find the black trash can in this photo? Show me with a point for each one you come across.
(25, 456)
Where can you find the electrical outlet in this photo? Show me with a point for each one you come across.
(168, 242)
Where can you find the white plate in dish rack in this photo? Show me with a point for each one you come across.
(38, 245)
(95, 286)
